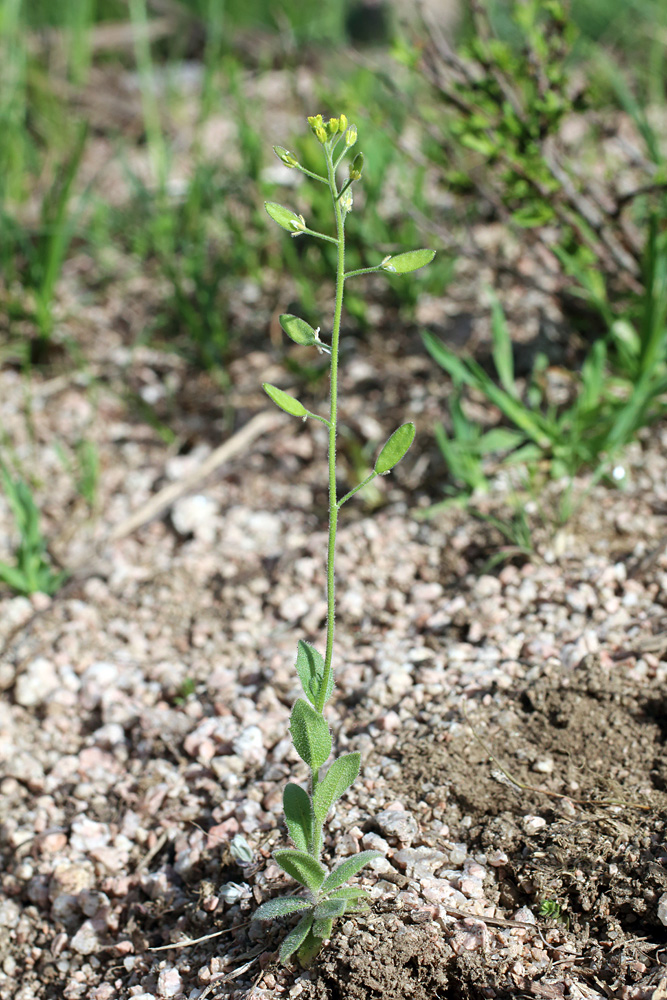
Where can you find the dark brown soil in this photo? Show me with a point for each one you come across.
(601, 856)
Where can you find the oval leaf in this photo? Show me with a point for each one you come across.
(300, 331)
(310, 668)
(410, 261)
(310, 735)
(296, 937)
(337, 780)
(302, 867)
(286, 402)
(298, 816)
(395, 448)
(347, 869)
(280, 908)
(285, 217)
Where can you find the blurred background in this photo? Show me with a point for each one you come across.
(523, 141)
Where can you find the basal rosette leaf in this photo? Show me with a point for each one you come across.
(296, 937)
(348, 869)
(395, 448)
(310, 735)
(280, 908)
(302, 867)
(329, 909)
(337, 780)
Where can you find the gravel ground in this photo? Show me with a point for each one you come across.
(511, 723)
(145, 712)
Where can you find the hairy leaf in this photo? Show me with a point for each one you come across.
(296, 937)
(302, 867)
(347, 869)
(298, 816)
(321, 928)
(395, 448)
(300, 331)
(286, 402)
(310, 668)
(337, 780)
(329, 909)
(280, 908)
(310, 735)
(409, 261)
(284, 216)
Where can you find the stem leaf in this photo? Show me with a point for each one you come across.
(296, 937)
(280, 908)
(310, 668)
(310, 735)
(337, 780)
(286, 402)
(347, 869)
(395, 448)
(298, 816)
(303, 867)
(285, 217)
(300, 331)
(412, 260)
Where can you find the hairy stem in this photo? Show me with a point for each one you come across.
(333, 415)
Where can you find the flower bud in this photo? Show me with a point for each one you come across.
(284, 155)
(351, 136)
(357, 167)
(346, 201)
(332, 127)
(342, 123)
(316, 123)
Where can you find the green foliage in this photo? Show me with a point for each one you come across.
(305, 814)
(33, 572)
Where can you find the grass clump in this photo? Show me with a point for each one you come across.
(327, 895)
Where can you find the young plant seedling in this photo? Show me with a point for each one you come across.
(327, 896)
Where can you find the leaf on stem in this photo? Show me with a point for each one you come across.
(347, 869)
(285, 217)
(310, 735)
(296, 937)
(286, 402)
(412, 260)
(303, 867)
(310, 668)
(298, 816)
(337, 780)
(395, 448)
(300, 331)
(280, 908)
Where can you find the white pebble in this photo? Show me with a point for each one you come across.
(35, 685)
(169, 983)
(532, 824)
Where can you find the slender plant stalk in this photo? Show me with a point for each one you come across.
(305, 813)
(333, 423)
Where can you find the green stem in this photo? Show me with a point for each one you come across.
(309, 173)
(333, 414)
(312, 232)
(360, 486)
(364, 270)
